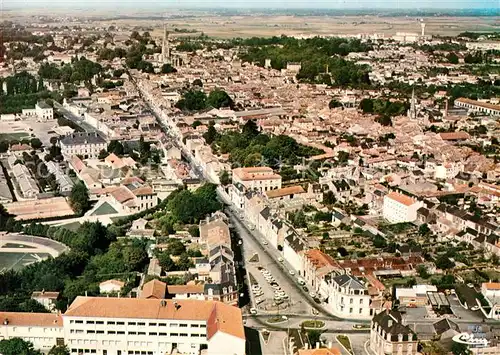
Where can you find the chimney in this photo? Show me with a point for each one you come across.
(85, 293)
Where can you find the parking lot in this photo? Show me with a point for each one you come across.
(267, 293)
(31, 127)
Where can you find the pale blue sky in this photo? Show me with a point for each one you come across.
(334, 4)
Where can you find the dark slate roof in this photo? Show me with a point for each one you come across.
(348, 281)
(79, 138)
(444, 325)
(277, 223)
(266, 212)
(423, 211)
(295, 242)
(390, 322)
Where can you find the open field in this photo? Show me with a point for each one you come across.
(16, 261)
(14, 136)
(260, 24)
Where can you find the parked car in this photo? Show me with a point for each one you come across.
(291, 272)
(474, 308)
(253, 310)
(280, 259)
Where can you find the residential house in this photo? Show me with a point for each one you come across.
(388, 335)
(257, 178)
(111, 286)
(46, 298)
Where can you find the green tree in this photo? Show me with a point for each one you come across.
(194, 231)
(17, 346)
(59, 350)
(167, 69)
(314, 337)
(366, 105)
(423, 272)
(79, 198)
(192, 100)
(334, 103)
(452, 58)
(460, 349)
(102, 154)
(4, 146)
(224, 178)
(36, 143)
(219, 98)
(250, 129)
(198, 83)
(443, 262)
(211, 134)
(424, 229)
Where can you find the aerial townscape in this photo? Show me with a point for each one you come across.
(223, 181)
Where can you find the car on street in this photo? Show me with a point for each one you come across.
(305, 288)
(253, 310)
(312, 294)
(291, 272)
(474, 308)
(264, 242)
(280, 259)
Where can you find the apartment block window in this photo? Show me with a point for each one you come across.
(350, 310)
(99, 322)
(183, 325)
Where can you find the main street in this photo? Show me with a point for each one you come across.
(300, 299)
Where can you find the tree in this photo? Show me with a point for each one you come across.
(443, 262)
(17, 346)
(384, 120)
(167, 69)
(115, 147)
(194, 231)
(211, 134)
(224, 178)
(452, 58)
(198, 83)
(102, 154)
(219, 98)
(192, 100)
(314, 337)
(4, 146)
(424, 229)
(166, 262)
(79, 198)
(329, 198)
(460, 349)
(334, 103)
(250, 129)
(35, 143)
(59, 350)
(366, 105)
(423, 272)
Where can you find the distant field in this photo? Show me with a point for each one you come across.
(13, 136)
(16, 261)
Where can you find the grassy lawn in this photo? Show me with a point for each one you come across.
(276, 319)
(13, 136)
(344, 340)
(73, 226)
(313, 324)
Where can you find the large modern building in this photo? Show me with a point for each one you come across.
(88, 145)
(478, 106)
(399, 208)
(261, 179)
(124, 326)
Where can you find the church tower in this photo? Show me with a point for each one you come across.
(165, 49)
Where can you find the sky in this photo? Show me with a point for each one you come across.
(332, 4)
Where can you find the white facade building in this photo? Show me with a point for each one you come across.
(261, 179)
(124, 326)
(399, 208)
(44, 330)
(448, 170)
(348, 298)
(88, 145)
(41, 111)
(388, 335)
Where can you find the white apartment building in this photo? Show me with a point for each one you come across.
(399, 208)
(348, 298)
(261, 179)
(478, 106)
(126, 326)
(41, 111)
(88, 145)
(44, 330)
(448, 170)
(388, 335)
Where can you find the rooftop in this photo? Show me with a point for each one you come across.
(31, 319)
(403, 199)
(82, 138)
